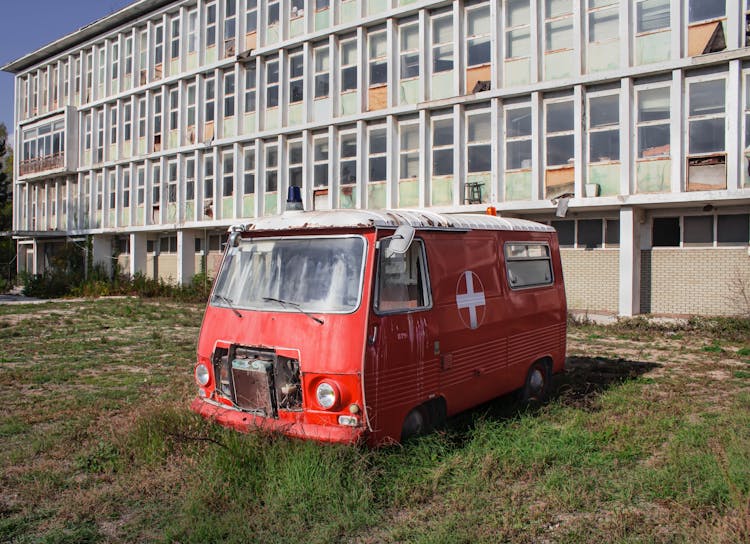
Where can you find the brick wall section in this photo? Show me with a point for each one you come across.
(694, 281)
(592, 279)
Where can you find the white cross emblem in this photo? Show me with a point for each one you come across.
(471, 299)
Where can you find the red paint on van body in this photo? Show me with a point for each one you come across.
(476, 340)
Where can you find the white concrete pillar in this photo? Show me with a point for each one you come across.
(101, 246)
(137, 253)
(630, 261)
(185, 256)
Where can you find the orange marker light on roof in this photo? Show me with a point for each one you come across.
(491, 210)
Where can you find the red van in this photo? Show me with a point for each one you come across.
(344, 326)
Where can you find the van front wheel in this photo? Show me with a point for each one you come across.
(415, 424)
(537, 384)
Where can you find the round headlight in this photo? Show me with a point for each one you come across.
(201, 375)
(326, 395)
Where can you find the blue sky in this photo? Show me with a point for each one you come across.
(27, 26)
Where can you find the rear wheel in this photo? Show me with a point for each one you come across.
(416, 423)
(537, 384)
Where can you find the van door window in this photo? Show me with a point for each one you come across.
(528, 265)
(403, 283)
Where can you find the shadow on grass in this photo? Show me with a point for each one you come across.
(580, 386)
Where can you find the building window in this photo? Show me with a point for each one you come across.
(272, 168)
(172, 182)
(295, 163)
(272, 83)
(99, 190)
(143, 56)
(518, 138)
(666, 232)
(192, 33)
(409, 50)
(100, 135)
(273, 12)
(653, 123)
(142, 117)
(77, 83)
(190, 109)
(101, 77)
(113, 124)
(590, 233)
(87, 132)
(604, 129)
(603, 21)
(479, 144)
(706, 135)
(705, 10)
(229, 94)
(210, 25)
(698, 230)
(208, 176)
(157, 122)
(174, 108)
(210, 109)
(442, 146)
(141, 180)
(127, 125)
(559, 133)
(408, 150)
(227, 170)
(651, 15)
(126, 188)
(377, 145)
(251, 17)
(478, 36)
(378, 58)
(250, 86)
(158, 50)
(190, 179)
(249, 171)
(442, 43)
(320, 160)
(322, 71)
(174, 51)
(156, 184)
(89, 81)
(297, 9)
(168, 244)
(230, 27)
(349, 65)
(558, 25)
(115, 62)
(517, 29)
(733, 230)
(348, 158)
(296, 77)
(112, 190)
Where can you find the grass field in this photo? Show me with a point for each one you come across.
(646, 439)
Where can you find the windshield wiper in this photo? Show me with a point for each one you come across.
(295, 306)
(229, 303)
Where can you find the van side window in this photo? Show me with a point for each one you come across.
(528, 265)
(402, 279)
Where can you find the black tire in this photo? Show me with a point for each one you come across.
(416, 423)
(536, 388)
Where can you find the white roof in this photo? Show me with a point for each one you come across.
(420, 219)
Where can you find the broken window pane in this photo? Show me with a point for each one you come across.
(590, 233)
(666, 232)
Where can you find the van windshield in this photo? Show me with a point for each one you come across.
(322, 274)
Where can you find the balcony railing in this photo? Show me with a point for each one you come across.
(42, 164)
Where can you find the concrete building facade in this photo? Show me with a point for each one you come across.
(625, 124)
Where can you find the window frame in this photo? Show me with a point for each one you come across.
(425, 277)
(508, 260)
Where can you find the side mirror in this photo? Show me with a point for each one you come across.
(400, 241)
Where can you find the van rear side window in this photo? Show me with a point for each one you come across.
(528, 265)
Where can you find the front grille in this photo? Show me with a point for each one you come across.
(258, 380)
(253, 385)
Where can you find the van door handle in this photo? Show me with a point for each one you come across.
(373, 336)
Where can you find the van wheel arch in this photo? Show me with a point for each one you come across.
(536, 388)
(424, 418)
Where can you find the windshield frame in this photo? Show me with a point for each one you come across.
(293, 307)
